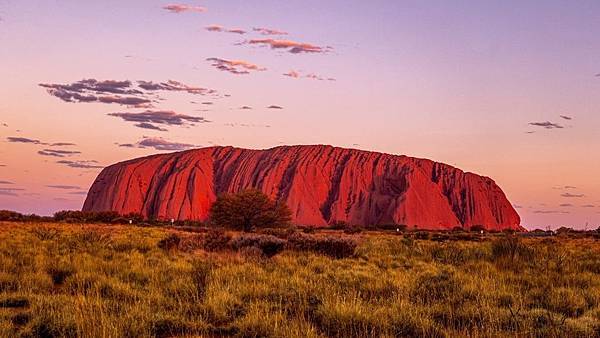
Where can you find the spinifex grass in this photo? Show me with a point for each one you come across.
(119, 281)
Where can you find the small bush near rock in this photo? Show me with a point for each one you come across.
(216, 240)
(269, 245)
(335, 247)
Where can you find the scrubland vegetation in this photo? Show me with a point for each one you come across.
(127, 281)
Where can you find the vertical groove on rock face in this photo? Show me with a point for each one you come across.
(321, 184)
(334, 191)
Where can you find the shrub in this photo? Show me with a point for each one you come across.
(76, 216)
(59, 272)
(191, 243)
(15, 302)
(423, 235)
(353, 229)
(8, 215)
(171, 242)
(335, 247)
(249, 209)
(269, 245)
(216, 240)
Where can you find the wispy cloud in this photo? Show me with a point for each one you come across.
(180, 8)
(550, 212)
(58, 153)
(63, 187)
(296, 74)
(84, 193)
(159, 143)
(176, 86)
(274, 107)
(221, 29)
(268, 31)
(13, 139)
(566, 205)
(245, 107)
(564, 187)
(569, 195)
(234, 66)
(119, 92)
(10, 191)
(6, 182)
(293, 47)
(92, 90)
(24, 140)
(247, 125)
(565, 117)
(547, 125)
(145, 125)
(87, 164)
(146, 118)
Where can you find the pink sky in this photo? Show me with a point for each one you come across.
(506, 90)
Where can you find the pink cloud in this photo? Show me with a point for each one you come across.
(292, 46)
(221, 29)
(234, 66)
(180, 8)
(268, 31)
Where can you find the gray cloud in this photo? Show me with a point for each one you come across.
(565, 117)
(24, 140)
(146, 118)
(274, 107)
(566, 205)
(10, 191)
(64, 187)
(159, 143)
(118, 92)
(588, 206)
(569, 195)
(58, 153)
(78, 193)
(547, 125)
(6, 182)
(145, 125)
(176, 86)
(88, 164)
(245, 107)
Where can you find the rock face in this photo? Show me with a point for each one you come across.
(320, 184)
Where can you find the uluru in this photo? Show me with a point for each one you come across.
(321, 184)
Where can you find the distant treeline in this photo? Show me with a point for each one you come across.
(113, 217)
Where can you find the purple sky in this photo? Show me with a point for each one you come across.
(480, 85)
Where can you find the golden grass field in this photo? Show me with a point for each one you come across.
(115, 281)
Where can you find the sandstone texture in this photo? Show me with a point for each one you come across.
(321, 185)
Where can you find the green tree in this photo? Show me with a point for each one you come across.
(249, 209)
